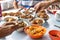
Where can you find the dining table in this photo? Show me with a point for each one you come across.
(50, 24)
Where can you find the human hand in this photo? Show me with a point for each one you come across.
(41, 6)
(56, 0)
(44, 4)
(7, 28)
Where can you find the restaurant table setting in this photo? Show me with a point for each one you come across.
(33, 26)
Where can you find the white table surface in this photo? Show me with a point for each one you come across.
(22, 36)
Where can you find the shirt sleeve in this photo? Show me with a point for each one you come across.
(17, 0)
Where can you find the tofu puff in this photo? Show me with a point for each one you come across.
(22, 16)
(10, 18)
(39, 21)
(22, 24)
(17, 14)
(4, 14)
(29, 11)
(26, 16)
(42, 14)
(12, 14)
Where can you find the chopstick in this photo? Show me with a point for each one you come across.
(20, 9)
(57, 26)
(58, 6)
(50, 12)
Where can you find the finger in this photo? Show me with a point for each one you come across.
(38, 8)
(35, 7)
(41, 10)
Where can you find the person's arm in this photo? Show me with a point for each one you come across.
(15, 4)
(7, 30)
(44, 4)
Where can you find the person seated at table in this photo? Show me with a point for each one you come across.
(38, 6)
(9, 29)
(25, 3)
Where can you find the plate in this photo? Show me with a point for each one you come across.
(3, 18)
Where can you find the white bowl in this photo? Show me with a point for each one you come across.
(3, 18)
(21, 29)
(40, 19)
